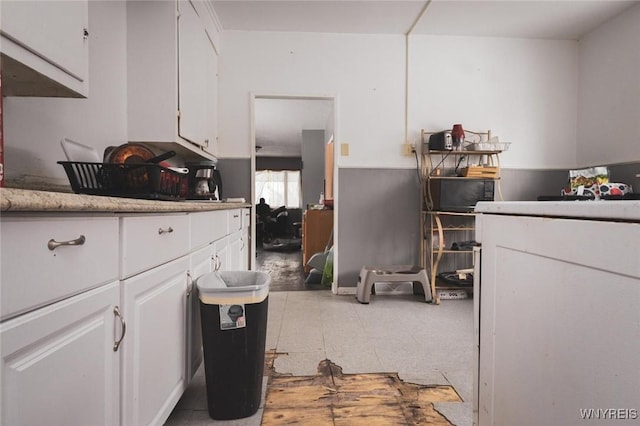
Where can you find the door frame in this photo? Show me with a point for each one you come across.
(336, 129)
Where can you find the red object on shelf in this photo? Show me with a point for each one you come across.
(457, 134)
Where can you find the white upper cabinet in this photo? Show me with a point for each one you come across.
(172, 76)
(197, 62)
(45, 48)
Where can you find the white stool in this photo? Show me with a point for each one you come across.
(398, 273)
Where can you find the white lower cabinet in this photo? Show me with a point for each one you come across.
(221, 254)
(153, 357)
(59, 366)
(201, 262)
(234, 250)
(554, 314)
(124, 349)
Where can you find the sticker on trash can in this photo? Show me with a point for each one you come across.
(232, 317)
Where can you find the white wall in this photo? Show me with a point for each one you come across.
(525, 91)
(609, 103)
(33, 127)
(365, 71)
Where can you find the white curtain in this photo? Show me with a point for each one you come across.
(279, 188)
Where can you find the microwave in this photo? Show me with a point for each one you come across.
(460, 194)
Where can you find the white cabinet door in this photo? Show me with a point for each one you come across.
(58, 363)
(153, 363)
(212, 103)
(238, 251)
(194, 48)
(50, 38)
(245, 253)
(201, 262)
(245, 249)
(221, 254)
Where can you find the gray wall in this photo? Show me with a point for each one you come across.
(278, 163)
(379, 219)
(312, 166)
(528, 185)
(626, 173)
(235, 174)
(379, 213)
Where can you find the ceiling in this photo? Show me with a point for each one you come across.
(279, 122)
(559, 19)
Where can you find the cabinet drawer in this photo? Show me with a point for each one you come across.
(235, 220)
(34, 275)
(207, 227)
(149, 241)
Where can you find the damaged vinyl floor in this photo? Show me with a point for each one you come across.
(333, 398)
(396, 360)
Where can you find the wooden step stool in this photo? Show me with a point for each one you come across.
(369, 275)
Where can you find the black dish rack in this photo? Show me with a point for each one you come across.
(146, 181)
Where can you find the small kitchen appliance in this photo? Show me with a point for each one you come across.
(460, 195)
(441, 141)
(205, 182)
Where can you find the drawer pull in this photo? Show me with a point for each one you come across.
(236, 215)
(116, 312)
(163, 231)
(53, 244)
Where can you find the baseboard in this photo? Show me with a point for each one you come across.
(346, 290)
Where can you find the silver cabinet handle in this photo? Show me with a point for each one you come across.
(116, 312)
(216, 263)
(190, 285)
(162, 231)
(53, 244)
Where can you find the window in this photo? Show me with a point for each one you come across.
(279, 188)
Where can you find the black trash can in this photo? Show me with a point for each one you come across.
(233, 309)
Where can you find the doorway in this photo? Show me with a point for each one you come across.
(288, 171)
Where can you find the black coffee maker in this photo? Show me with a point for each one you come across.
(204, 181)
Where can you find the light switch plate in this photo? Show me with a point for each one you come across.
(344, 149)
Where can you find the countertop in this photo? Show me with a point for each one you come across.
(627, 210)
(25, 200)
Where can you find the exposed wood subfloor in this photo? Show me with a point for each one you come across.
(332, 398)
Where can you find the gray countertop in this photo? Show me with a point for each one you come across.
(597, 210)
(25, 200)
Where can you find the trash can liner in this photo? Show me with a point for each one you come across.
(225, 288)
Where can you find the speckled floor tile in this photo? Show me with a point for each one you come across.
(423, 343)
